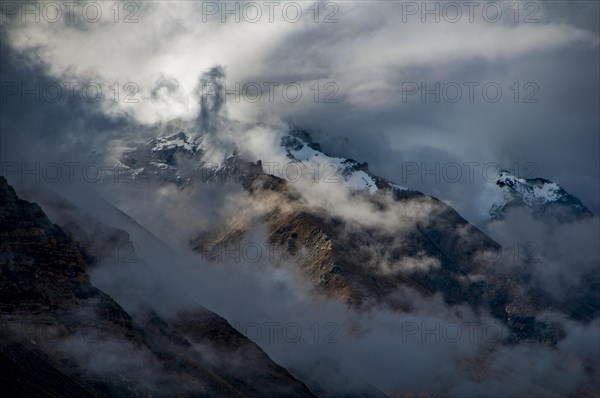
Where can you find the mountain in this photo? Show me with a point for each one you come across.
(300, 147)
(104, 232)
(174, 159)
(350, 234)
(61, 336)
(179, 159)
(353, 235)
(99, 242)
(545, 199)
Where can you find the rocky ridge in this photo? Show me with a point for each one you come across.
(68, 337)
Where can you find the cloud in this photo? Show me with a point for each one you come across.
(368, 53)
(172, 53)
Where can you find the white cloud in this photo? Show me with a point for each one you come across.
(365, 53)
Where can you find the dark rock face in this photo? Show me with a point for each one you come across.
(25, 371)
(343, 259)
(231, 353)
(36, 254)
(61, 336)
(98, 241)
(545, 199)
(174, 159)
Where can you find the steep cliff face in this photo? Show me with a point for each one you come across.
(99, 241)
(39, 261)
(64, 337)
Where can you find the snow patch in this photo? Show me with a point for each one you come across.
(315, 160)
(181, 140)
(334, 169)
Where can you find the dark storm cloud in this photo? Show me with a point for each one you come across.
(369, 53)
(34, 129)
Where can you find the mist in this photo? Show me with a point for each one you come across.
(356, 77)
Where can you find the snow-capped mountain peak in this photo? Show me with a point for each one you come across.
(179, 158)
(541, 197)
(300, 147)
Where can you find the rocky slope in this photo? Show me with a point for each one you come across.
(369, 242)
(64, 337)
(99, 241)
(351, 235)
